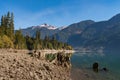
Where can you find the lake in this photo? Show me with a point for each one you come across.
(82, 66)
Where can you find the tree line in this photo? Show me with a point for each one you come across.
(10, 38)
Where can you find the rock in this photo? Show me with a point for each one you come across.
(36, 77)
(31, 74)
(66, 65)
(37, 54)
(47, 67)
(105, 69)
(95, 67)
(2, 78)
(14, 60)
(11, 76)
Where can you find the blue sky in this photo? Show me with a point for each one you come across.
(58, 12)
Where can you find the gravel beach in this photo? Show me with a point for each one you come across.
(17, 65)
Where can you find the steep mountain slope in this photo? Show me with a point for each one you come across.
(105, 34)
(76, 28)
(109, 39)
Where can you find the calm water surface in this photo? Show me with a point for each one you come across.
(109, 60)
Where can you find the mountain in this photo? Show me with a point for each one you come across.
(47, 26)
(45, 30)
(86, 34)
(104, 34)
(115, 19)
(76, 28)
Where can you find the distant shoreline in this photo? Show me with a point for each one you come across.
(44, 50)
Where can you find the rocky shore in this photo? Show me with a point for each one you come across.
(19, 65)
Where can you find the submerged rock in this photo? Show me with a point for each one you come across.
(105, 69)
(95, 67)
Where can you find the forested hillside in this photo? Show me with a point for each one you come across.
(15, 39)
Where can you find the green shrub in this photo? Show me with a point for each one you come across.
(5, 42)
(50, 57)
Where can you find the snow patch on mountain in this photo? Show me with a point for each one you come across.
(45, 26)
(50, 27)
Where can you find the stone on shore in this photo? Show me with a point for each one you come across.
(21, 66)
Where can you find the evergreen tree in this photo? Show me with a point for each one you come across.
(46, 38)
(2, 21)
(54, 43)
(7, 25)
(2, 29)
(29, 43)
(37, 40)
(12, 27)
(46, 42)
(19, 40)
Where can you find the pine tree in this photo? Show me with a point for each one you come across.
(54, 43)
(2, 21)
(29, 43)
(7, 25)
(19, 40)
(12, 27)
(37, 40)
(2, 28)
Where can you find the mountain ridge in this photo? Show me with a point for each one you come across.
(88, 33)
(45, 30)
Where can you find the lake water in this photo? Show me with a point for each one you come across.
(84, 61)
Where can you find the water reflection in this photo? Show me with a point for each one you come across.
(107, 61)
(89, 54)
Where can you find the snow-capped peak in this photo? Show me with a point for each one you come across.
(45, 26)
(48, 27)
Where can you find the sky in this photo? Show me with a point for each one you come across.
(58, 12)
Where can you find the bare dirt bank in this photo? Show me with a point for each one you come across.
(15, 65)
